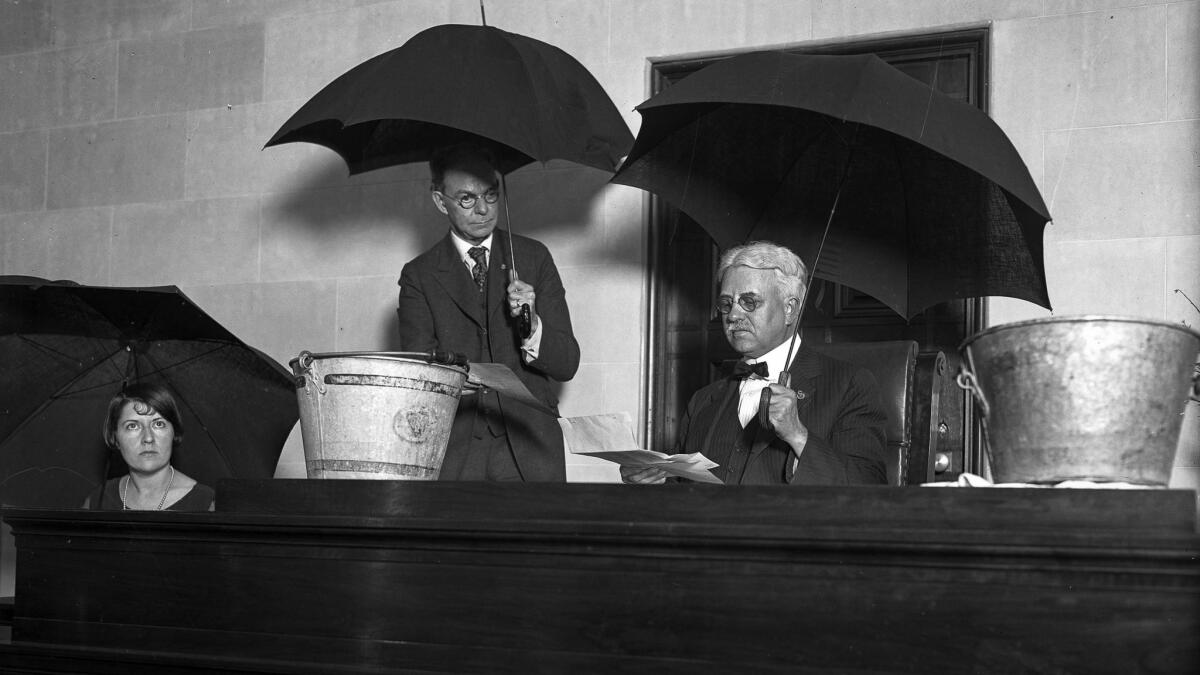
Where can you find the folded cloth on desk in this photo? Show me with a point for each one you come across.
(972, 480)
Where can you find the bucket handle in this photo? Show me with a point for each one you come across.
(303, 367)
(447, 358)
(966, 381)
(304, 371)
(437, 356)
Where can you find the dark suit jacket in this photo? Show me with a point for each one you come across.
(440, 308)
(841, 409)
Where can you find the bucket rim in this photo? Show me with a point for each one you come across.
(416, 357)
(1079, 318)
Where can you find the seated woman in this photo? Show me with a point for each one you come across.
(143, 423)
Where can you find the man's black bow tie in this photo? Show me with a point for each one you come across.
(743, 370)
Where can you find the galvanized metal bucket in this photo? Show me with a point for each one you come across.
(1097, 398)
(376, 415)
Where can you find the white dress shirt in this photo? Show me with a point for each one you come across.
(750, 389)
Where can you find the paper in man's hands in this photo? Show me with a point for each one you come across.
(611, 437)
(501, 378)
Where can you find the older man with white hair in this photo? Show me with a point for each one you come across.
(826, 425)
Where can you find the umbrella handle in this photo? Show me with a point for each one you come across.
(764, 405)
(525, 319)
(447, 358)
(525, 322)
(764, 402)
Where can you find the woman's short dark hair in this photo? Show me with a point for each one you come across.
(155, 397)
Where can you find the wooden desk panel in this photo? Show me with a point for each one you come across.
(381, 576)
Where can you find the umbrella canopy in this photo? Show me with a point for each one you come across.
(925, 198)
(66, 349)
(530, 100)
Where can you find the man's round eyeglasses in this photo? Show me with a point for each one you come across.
(746, 301)
(467, 200)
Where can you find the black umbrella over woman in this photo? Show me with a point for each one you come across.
(66, 349)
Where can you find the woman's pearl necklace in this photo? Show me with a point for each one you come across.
(162, 502)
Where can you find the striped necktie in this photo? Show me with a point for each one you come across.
(479, 271)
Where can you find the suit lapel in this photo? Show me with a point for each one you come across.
(456, 280)
(805, 370)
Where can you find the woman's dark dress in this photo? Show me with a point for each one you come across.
(108, 498)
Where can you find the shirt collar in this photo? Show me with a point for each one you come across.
(777, 358)
(462, 246)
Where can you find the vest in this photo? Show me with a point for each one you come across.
(729, 445)
(489, 417)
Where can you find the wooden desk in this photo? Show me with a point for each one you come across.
(377, 576)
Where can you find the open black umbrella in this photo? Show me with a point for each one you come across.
(873, 178)
(529, 100)
(525, 99)
(65, 349)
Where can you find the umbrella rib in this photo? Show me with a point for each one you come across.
(45, 348)
(55, 396)
(16, 474)
(937, 63)
(765, 203)
(160, 369)
(841, 182)
(163, 373)
(812, 272)
(67, 386)
(908, 234)
(133, 367)
(687, 182)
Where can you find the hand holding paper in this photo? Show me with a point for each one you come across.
(611, 437)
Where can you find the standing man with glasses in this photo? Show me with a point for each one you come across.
(826, 426)
(458, 297)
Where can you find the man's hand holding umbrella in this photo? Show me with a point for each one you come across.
(784, 415)
(521, 300)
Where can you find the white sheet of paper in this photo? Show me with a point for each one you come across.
(610, 436)
(501, 378)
